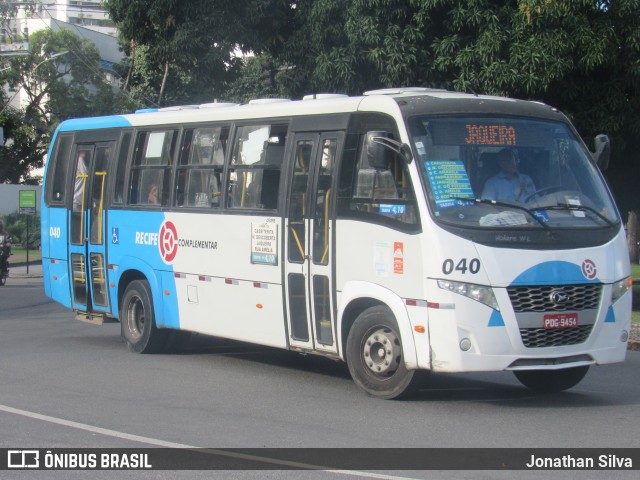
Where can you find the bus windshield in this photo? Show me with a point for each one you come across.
(505, 173)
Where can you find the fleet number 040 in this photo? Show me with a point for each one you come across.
(463, 265)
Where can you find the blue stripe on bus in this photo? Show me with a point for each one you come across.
(552, 273)
(133, 245)
(496, 320)
(170, 313)
(611, 316)
(94, 123)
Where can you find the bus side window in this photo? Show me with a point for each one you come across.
(200, 167)
(123, 155)
(379, 194)
(151, 170)
(254, 173)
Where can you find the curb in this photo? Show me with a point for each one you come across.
(24, 264)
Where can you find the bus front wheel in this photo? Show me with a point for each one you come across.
(137, 321)
(374, 356)
(549, 381)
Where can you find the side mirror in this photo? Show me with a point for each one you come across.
(379, 146)
(377, 155)
(603, 151)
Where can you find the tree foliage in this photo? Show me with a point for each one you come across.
(581, 56)
(186, 51)
(60, 78)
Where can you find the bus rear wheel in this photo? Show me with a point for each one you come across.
(137, 320)
(549, 381)
(374, 356)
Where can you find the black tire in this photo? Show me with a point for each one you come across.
(549, 381)
(374, 356)
(137, 320)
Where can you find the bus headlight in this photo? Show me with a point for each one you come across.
(620, 288)
(478, 293)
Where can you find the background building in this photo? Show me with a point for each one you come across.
(86, 18)
(88, 14)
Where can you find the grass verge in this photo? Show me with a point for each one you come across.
(19, 255)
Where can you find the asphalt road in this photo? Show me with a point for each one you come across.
(66, 384)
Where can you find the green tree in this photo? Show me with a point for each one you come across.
(15, 224)
(172, 47)
(581, 56)
(60, 78)
(187, 52)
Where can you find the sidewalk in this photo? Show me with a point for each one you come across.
(20, 270)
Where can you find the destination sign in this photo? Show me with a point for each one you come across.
(490, 135)
(487, 132)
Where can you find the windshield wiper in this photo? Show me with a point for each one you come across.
(505, 204)
(578, 208)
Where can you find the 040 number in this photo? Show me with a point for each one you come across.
(464, 265)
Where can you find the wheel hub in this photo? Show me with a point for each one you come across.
(136, 317)
(381, 352)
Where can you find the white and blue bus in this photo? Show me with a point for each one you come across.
(402, 231)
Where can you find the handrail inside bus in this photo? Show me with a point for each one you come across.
(326, 227)
(101, 205)
(297, 239)
(84, 177)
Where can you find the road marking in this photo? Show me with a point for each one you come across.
(213, 451)
(91, 428)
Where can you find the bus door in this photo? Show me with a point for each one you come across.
(308, 242)
(86, 231)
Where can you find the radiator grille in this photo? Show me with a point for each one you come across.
(539, 298)
(544, 337)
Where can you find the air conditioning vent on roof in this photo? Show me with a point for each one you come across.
(323, 96)
(398, 91)
(264, 101)
(218, 105)
(178, 107)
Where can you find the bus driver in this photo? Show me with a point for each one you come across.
(508, 184)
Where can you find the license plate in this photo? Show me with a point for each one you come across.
(561, 320)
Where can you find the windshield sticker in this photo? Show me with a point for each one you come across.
(541, 215)
(449, 183)
(503, 219)
(575, 202)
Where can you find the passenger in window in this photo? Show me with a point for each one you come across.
(153, 194)
(508, 184)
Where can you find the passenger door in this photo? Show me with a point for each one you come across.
(309, 237)
(87, 253)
